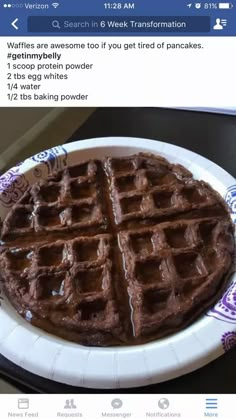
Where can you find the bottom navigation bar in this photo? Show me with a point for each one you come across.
(135, 406)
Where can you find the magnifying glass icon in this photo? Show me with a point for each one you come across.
(56, 24)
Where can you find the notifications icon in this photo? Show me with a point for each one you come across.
(163, 403)
(116, 403)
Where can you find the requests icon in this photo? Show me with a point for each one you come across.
(70, 404)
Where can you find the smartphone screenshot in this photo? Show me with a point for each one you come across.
(117, 209)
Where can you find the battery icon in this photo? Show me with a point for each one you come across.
(225, 5)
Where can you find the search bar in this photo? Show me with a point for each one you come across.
(125, 24)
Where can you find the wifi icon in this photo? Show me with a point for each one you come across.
(55, 5)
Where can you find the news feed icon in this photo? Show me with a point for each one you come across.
(23, 403)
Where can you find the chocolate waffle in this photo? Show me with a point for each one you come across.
(116, 252)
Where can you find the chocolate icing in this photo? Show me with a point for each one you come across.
(116, 252)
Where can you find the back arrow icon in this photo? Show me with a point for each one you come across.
(14, 23)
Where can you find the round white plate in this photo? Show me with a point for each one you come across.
(70, 363)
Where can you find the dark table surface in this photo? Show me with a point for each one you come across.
(214, 137)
